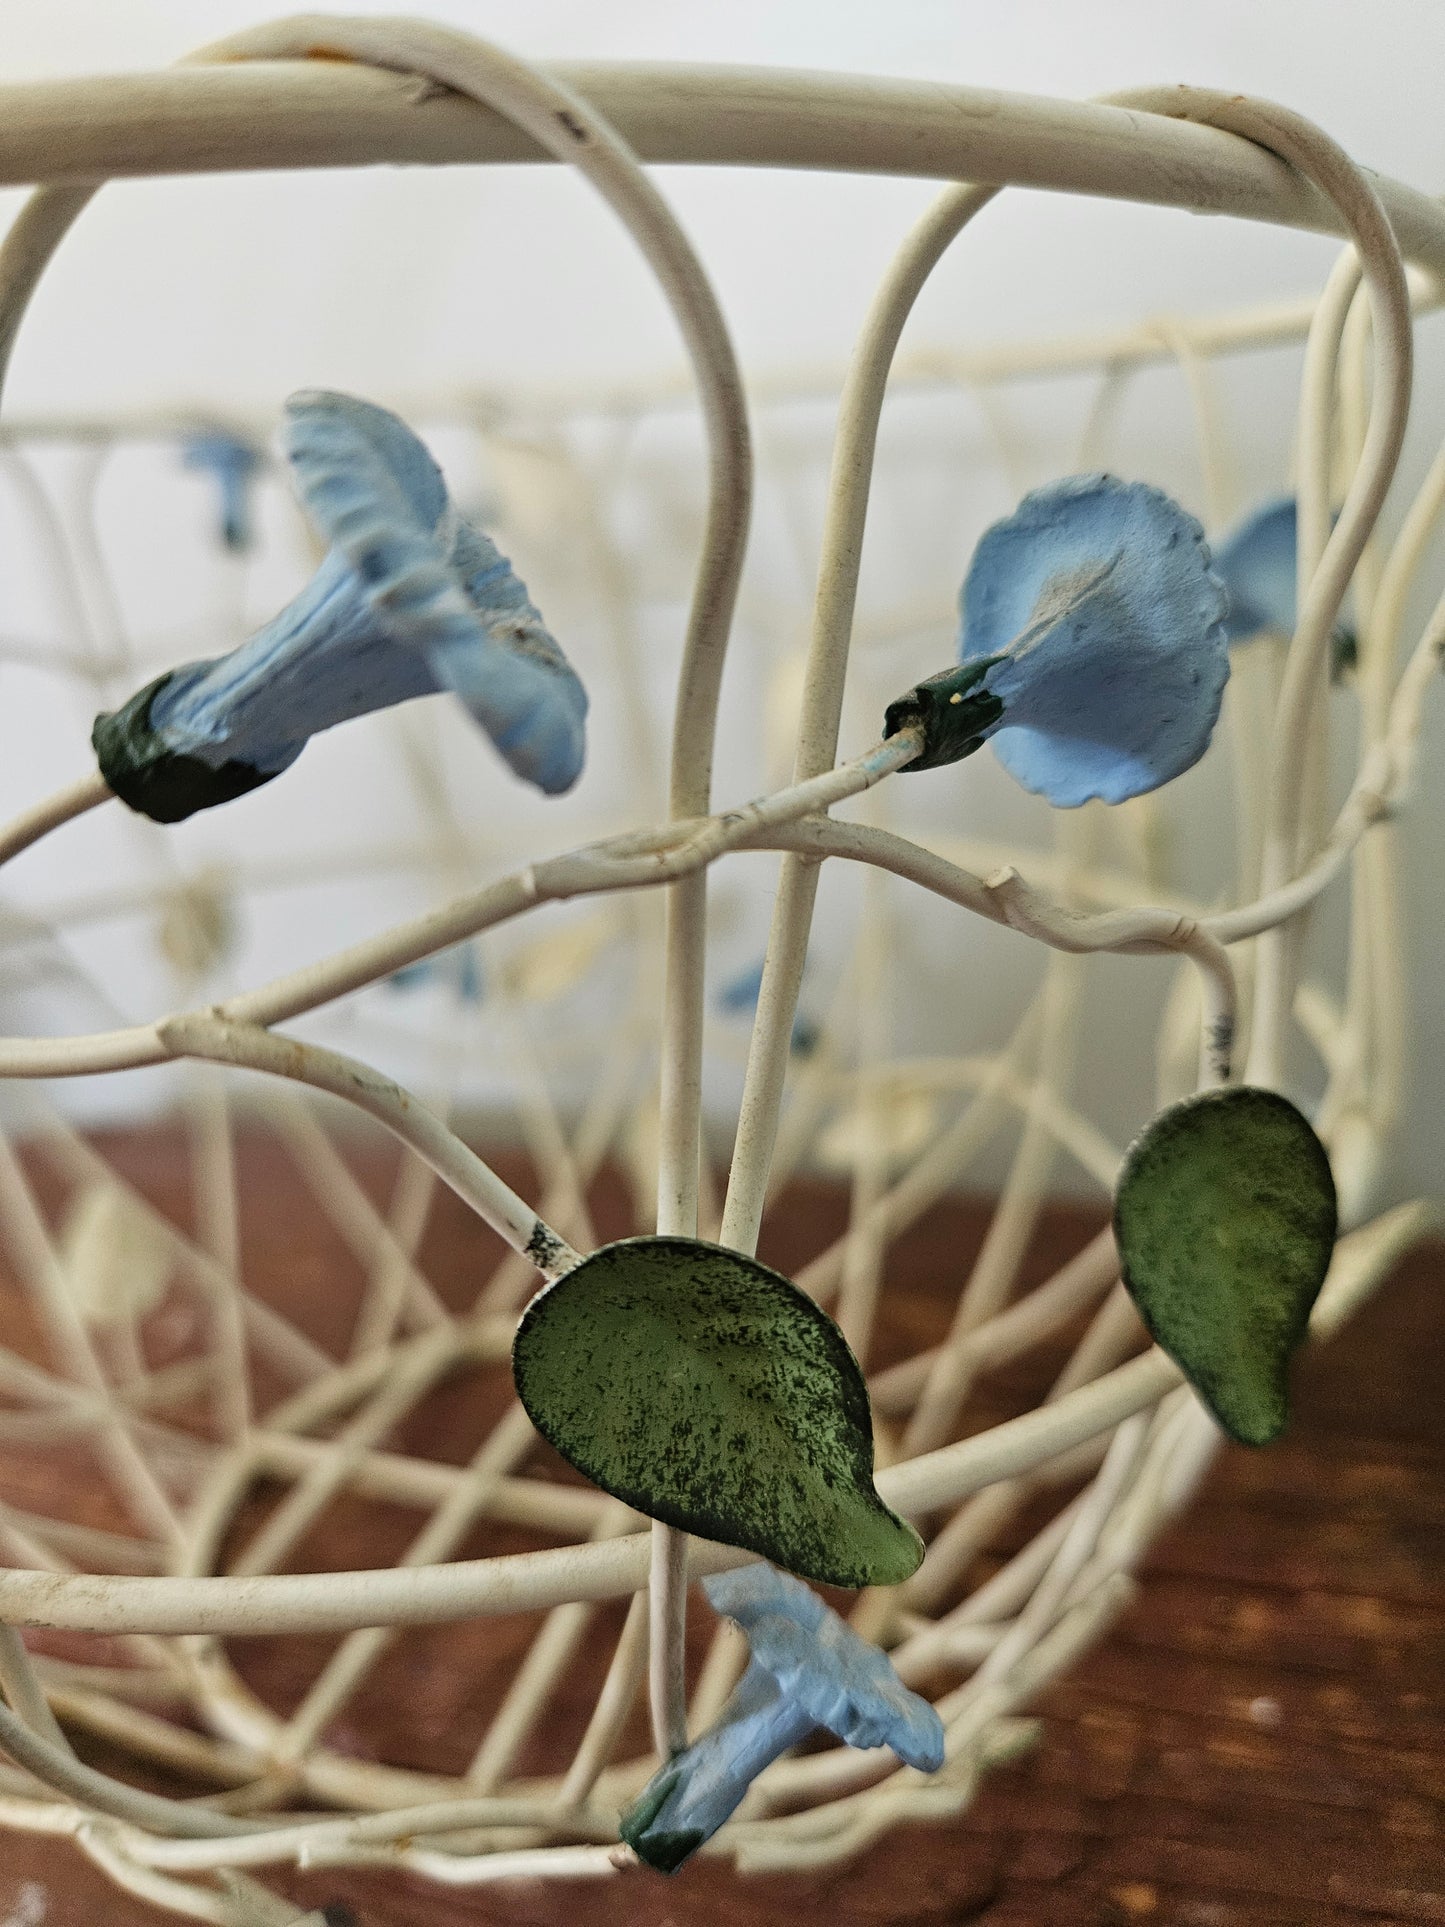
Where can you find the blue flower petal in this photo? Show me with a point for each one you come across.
(442, 587)
(1258, 564)
(1256, 561)
(234, 463)
(1098, 599)
(408, 601)
(390, 466)
(325, 659)
(807, 1669)
(841, 1681)
(521, 688)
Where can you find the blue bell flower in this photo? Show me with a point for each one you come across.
(1258, 562)
(1093, 650)
(409, 600)
(806, 1670)
(234, 463)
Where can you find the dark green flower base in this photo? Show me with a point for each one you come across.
(664, 1851)
(162, 783)
(953, 710)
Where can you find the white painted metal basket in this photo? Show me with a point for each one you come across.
(1119, 1443)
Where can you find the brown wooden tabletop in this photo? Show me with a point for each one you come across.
(1261, 1740)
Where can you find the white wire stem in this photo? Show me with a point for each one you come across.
(612, 1709)
(521, 1582)
(642, 858)
(175, 1896)
(1220, 491)
(218, 1214)
(1320, 593)
(995, 1268)
(1153, 1441)
(862, 403)
(564, 125)
(345, 1201)
(222, 1040)
(1007, 898)
(283, 1845)
(67, 804)
(23, 1691)
(178, 122)
(58, 1768)
(509, 1440)
(283, 1344)
(1384, 1244)
(855, 442)
(40, 1266)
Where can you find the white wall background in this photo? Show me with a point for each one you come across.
(230, 292)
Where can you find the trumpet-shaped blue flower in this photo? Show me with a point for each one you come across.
(409, 600)
(1258, 562)
(234, 463)
(1093, 650)
(807, 1670)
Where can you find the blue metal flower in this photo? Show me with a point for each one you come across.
(1093, 648)
(1258, 564)
(408, 601)
(807, 1670)
(234, 463)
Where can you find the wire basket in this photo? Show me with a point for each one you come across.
(176, 1557)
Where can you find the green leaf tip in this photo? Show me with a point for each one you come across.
(705, 1390)
(1225, 1218)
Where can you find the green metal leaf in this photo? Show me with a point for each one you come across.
(709, 1392)
(1225, 1219)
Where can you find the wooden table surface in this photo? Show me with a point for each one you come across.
(1261, 1740)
